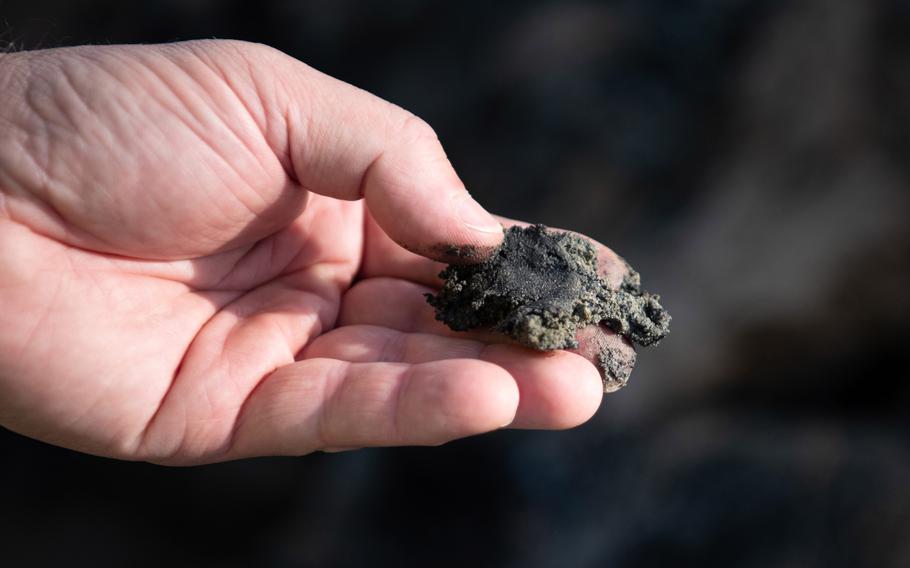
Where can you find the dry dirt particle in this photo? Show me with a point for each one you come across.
(540, 288)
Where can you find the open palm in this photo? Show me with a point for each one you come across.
(201, 259)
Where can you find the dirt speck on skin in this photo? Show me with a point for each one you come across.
(613, 354)
(540, 287)
(615, 369)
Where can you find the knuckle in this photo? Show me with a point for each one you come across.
(237, 54)
(238, 47)
(415, 129)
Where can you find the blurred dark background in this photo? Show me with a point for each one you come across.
(750, 157)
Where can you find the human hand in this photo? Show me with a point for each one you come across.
(188, 273)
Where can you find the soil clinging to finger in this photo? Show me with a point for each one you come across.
(540, 287)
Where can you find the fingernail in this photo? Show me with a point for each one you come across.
(475, 217)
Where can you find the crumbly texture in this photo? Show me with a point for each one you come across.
(615, 369)
(540, 287)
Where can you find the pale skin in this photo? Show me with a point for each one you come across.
(209, 251)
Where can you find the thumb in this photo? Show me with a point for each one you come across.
(345, 143)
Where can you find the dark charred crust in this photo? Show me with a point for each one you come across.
(539, 288)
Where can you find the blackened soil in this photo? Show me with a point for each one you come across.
(540, 287)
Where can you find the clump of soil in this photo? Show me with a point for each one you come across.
(540, 287)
